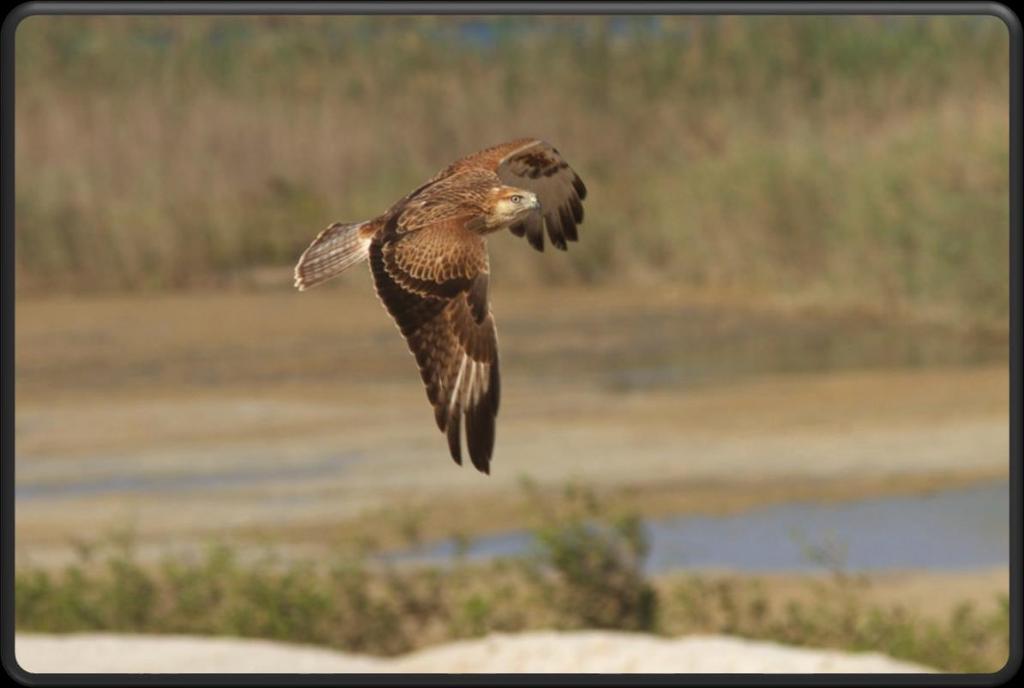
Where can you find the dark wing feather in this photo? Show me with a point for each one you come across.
(538, 167)
(433, 282)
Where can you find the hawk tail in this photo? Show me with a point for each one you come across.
(334, 250)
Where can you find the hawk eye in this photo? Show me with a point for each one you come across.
(517, 199)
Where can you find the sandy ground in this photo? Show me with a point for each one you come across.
(540, 652)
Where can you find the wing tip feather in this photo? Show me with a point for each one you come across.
(454, 432)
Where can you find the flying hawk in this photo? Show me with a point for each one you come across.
(429, 264)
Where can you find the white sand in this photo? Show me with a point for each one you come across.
(540, 652)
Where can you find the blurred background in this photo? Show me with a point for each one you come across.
(765, 395)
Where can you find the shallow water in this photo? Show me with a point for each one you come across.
(184, 482)
(953, 529)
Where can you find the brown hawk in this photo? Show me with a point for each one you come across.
(429, 264)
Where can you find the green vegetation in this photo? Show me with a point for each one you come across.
(586, 573)
(851, 157)
(837, 614)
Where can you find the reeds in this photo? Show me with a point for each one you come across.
(846, 156)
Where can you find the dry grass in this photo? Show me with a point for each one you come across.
(835, 156)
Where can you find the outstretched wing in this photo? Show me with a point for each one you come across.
(433, 282)
(536, 166)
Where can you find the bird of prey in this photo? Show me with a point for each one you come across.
(429, 263)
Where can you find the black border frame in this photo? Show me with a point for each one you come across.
(7, 33)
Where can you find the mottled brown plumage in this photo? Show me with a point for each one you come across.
(429, 263)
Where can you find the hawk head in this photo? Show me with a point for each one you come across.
(507, 204)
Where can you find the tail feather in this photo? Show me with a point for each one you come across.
(334, 250)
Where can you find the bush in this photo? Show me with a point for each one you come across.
(591, 569)
(587, 572)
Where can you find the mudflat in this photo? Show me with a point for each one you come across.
(299, 418)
